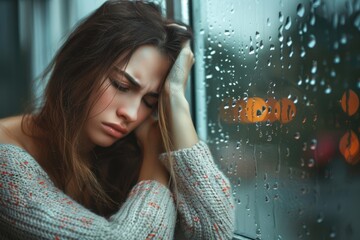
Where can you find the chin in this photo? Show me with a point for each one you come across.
(104, 141)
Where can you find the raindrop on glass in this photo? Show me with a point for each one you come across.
(312, 20)
(332, 234)
(202, 31)
(313, 144)
(314, 67)
(257, 35)
(328, 89)
(272, 47)
(313, 81)
(297, 135)
(289, 41)
(337, 59)
(316, 3)
(343, 39)
(281, 37)
(302, 52)
(261, 44)
(311, 163)
(281, 17)
(312, 41)
(268, 22)
(300, 10)
(227, 32)
(251, 50)
(320, 218)
(217, 68)
(288, 23)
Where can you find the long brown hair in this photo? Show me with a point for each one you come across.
(108, 36)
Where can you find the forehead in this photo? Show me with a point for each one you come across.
(148, 61)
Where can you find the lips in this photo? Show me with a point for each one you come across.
(114, 130)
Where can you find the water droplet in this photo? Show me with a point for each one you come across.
(267, 198)
(288, 23)
(312, 41)
(320, 218)
(281, 17)
(343, 39)
(202, 31)
(212, 52)
(281, 37)
(313, 81)
(261, 44)
(257, 35)
(337, 59)
(302, 52)
(314, 67)
(297, 135)
(289, 41)
(311, 163)
(272, 47)
(217, 68)
(251, 50)
(291, 53)
(268, 22)
(304, 146)
(332, 234)
(313, 144)
(312, 20)
(227, 32)
(328, 89)
(209, 76)
(300, 10)
(316, 3)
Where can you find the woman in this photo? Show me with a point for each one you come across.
(87, 163)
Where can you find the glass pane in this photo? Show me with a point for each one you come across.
(278, 86)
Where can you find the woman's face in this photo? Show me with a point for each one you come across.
(129, 96)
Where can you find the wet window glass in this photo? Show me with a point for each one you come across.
(277, 86)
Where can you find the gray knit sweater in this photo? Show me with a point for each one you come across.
(31, 207)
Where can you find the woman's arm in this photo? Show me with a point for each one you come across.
(204, 194)
(31, 207)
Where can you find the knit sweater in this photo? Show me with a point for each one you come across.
(31, 207)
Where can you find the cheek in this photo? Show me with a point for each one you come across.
(143, 114)
(103, 102)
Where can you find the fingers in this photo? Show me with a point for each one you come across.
(177, 25)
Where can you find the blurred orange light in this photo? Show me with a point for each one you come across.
(349, 147)
(350, 102)
(256, 109)
(287, 110)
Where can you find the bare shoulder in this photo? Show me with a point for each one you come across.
(10, 130)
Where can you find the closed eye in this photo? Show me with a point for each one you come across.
(118, 85)
(150, 101)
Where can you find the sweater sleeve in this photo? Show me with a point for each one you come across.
(206, 206)
(31, 207)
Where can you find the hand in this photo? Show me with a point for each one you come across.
(178, 75)
(180, 126)
(149, 136)
(150, 141)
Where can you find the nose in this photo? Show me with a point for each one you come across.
(128, 110)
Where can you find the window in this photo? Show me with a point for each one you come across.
(277, 88)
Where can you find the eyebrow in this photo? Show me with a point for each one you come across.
(135, 83)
